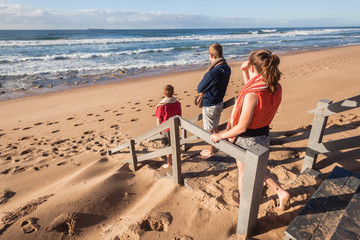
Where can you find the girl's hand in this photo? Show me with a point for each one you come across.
(245, 66)
(215, 137)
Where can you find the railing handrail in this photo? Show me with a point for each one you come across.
(337, 107)
(324, 109)
(227, 103)
(146, 135)
(255, 161)
(224, 146)
(165, 125)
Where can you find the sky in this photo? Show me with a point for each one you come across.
(159, 14)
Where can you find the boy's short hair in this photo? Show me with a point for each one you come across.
(168, 91)
(216, 50)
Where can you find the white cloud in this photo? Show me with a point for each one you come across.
(15, 16)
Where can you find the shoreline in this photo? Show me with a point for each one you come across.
(110, 77)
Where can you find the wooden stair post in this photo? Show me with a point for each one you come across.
(255, 164)
(133, 154)
(175, 147)
(316, 133)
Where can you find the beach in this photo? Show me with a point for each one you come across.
(55, 168)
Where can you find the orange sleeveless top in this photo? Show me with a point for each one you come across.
(266, 107)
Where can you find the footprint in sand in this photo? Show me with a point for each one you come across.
(27, 128)
(40, 167)
(15, 129)
(89, 114)
(6, 171)
(55, 131)
(45, 154)
(119, 114)
(37, 124)
(107, 110)
(70, 118)
(30, 225)
(7, 194)
(19, 169)
(2, 134)
(188, 106)
(134, 120)
(26, 152)
(138, 110)
(100, 120)
(156, 221)
(65, 223)
(78, 124)
(51, 123)
(61, 163)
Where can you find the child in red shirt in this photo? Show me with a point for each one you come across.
(167, 108)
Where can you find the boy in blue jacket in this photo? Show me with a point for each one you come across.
(213, 85)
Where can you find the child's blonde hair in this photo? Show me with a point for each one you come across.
(168, 91)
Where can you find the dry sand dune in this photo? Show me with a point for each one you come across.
(57, 180)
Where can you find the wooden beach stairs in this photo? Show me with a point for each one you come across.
(255, 161)
(333, 212)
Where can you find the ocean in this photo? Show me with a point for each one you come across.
(40, 61)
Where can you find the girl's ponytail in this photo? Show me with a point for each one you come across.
(266, 63)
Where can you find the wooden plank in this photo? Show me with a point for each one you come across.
(254, 171)
(222, 126)
(316, 135)
(183, 137)
(144, 136)
(118, 148)
(196, 118)
(324, 199)
(336, 145)
(349, 225)
(225, 146)
(133, 154)
(154, 154)
(342, 106)
(188, 140)
(337, 209)
(230, 102)
(165, 125)
(175, 147)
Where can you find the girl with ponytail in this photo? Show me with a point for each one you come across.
(254, 110)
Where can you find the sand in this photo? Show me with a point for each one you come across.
(57, 180)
